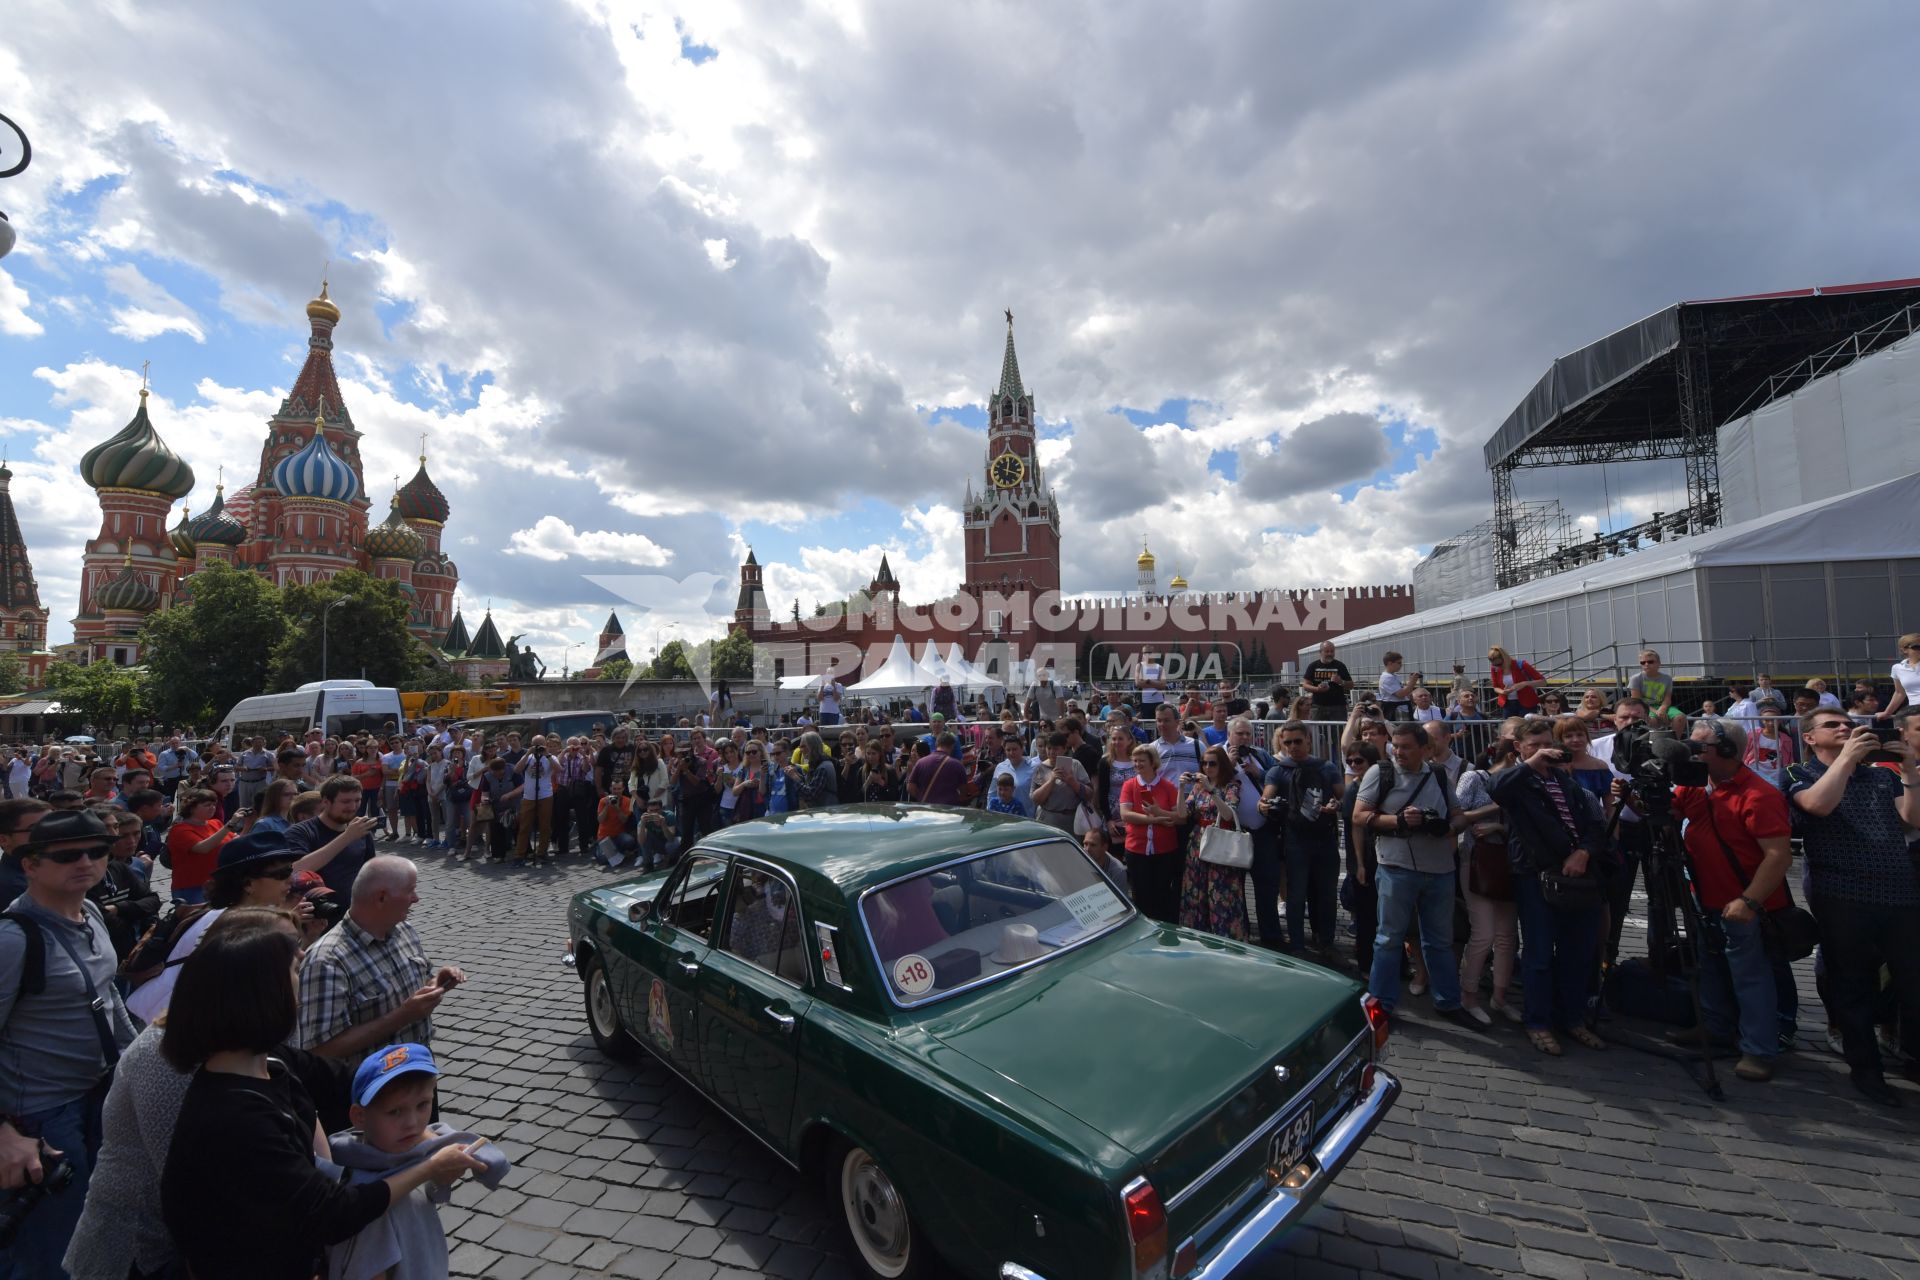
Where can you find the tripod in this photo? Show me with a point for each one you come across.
(1671, 896)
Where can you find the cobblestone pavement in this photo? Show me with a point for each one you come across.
(1497, 1161)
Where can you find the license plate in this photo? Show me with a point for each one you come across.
(1288, 1146)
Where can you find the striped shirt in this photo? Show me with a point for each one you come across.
(350, 978)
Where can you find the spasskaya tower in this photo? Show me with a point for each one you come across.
(1012, 523)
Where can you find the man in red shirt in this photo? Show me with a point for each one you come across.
(1737, 848)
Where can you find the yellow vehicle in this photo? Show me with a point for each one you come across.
(460, 704)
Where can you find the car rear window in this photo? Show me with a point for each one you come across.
(973, 921)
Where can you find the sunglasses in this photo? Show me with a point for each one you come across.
(1835, 724)
(67, 857)
(277, 873)
(1647, 662)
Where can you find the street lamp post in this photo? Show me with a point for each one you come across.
(324, 614)
(9, 166)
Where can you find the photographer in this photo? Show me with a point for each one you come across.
(1737, 849)
(1556, 834)
(1863, 884)
(1301, 802)
(537, 771)
(61, 1031)
(1408, 806)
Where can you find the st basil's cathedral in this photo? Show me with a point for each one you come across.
(305, 516)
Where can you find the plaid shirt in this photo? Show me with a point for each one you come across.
(351, 977)
(575, 769)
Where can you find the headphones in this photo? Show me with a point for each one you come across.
(1722, 745)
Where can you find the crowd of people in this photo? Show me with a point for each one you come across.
(1481, 840)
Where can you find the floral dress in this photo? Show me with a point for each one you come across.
(1212, 898)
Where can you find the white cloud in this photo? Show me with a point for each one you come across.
(552, 538)
(14, 320)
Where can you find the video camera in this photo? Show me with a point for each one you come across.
(1656, 762)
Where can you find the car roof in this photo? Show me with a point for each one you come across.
(858, 845)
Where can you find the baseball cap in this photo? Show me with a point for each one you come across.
(384, 1066)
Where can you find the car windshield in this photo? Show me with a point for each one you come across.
(953, 927)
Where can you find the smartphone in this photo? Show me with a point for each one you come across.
(447, 982)
(1886, 732)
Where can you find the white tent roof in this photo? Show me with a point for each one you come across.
(968, 674)
(932, 662)
(898, 674)
(790, 684)
(1879, 522)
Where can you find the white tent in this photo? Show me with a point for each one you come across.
(793, 684)
(1775, 589)
(898, 674)
(973, 676)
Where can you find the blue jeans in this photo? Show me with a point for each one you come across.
(1313, 888)
(1558, 949)
(1736, 988)
(1268, 871)
(73, 1130)
(1403, 896)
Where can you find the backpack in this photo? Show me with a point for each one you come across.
(149, 957)
(33, 965)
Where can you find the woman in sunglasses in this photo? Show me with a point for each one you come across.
(254, 871)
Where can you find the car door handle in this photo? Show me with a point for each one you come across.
(785, 1021)
(688, 966)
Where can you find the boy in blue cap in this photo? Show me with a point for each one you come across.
(392, 1129)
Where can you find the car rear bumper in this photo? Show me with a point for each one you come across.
(1284, 1206)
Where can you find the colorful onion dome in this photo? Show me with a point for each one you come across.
(128, 591)
(137, 458)
(316, 472)
(421, 499)
(181, 535)
(240, 505)
(216, 526)
(394, 538)
(322, 308)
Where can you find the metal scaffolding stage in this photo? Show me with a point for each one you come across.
(1661, 388)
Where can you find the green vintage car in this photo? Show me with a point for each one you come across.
(961, 1025)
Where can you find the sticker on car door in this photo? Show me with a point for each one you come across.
(659, 1016)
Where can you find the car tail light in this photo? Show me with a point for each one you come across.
(1377, 1020)
(1147, 1227)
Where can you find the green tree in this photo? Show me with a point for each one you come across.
(732, 656)
(104, 694)
(671, 662)
(616, 669)
(13, 676)
(366, 637)
(204, 656)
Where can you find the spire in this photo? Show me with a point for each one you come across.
(17, 587)
(1009, 368)
(486, 641)
(457, 641)
(613, 625)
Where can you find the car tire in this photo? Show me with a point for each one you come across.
(603, 1015)
(884, 1241)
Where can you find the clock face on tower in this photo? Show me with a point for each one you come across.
(1008, 470)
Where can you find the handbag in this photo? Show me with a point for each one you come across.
(1226, 846)
(1489, 873)
(1570, 893)
(1789, 933)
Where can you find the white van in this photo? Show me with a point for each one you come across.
(335, 707)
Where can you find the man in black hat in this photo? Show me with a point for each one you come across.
(62, 1026)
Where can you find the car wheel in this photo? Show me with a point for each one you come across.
(886, 1243)
(603, 1015)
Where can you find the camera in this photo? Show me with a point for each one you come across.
(1435, 824)
(327, 907)
(1886, 732)
(56, 1174)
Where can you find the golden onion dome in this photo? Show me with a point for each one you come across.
(1178, 584)
(322, 308)
(1145, 560)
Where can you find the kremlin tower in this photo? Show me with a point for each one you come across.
(1012, 524)
(23, 622)
(303, 519)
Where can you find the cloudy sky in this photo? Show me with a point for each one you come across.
(661, 281)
